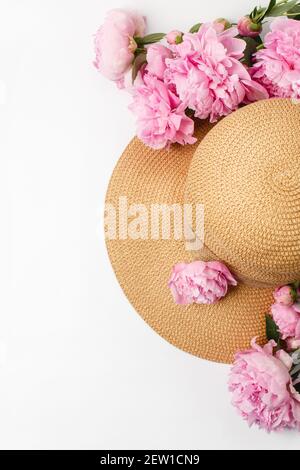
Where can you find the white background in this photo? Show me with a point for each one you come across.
(79, 369)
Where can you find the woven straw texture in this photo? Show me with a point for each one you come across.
(246, 173)
(253, 156)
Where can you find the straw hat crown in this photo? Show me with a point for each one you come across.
(246, 173)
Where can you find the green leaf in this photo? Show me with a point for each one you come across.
(139, 50)
(149, 39)
(296, 357)
(295, 370)
(260, 15)
(139, 61)
(259, 41)
(296, 285)
(294, 294)
(271, 6)
(267, 10)
(272, 329)
(283, 9)
(253, 13)
(294, 13)
(250, 49)
(195, 28)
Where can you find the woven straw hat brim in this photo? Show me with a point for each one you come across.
(143, 267)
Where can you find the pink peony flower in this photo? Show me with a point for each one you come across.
(287, 320)
(156, 58)
(114, 43)
(161, 118)
(200, 282)
(208, 75)
(284, 295)
(277, 66)
(224, 22)
(285, 358)
(247, 28)
(174, 37)
(262, 389)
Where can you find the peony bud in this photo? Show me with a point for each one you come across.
(285, 295)
(248, 28)
(224, 22)
(174, 37)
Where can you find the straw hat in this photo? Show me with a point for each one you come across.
(246, 172)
